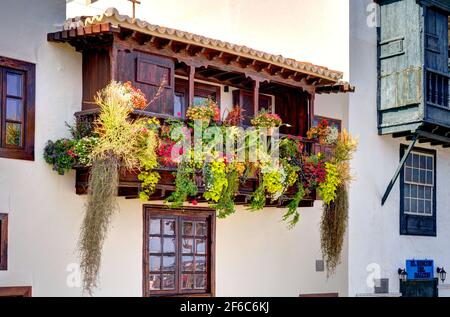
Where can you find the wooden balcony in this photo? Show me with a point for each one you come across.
(129, 184)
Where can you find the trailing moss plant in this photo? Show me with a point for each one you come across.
(335, 209)
(124, 143)
(100, 207)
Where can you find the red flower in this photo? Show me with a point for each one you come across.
(194, 202)
(144, 130)
(71, 153)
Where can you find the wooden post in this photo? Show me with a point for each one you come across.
(312, 98)
(256, 97)
(191, 90)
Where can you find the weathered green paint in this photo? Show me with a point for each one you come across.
(413, 64)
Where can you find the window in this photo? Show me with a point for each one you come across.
(178, 252)
(418, 193)
(201, 93)
(17, 80)
(245, 100)
(3, 242)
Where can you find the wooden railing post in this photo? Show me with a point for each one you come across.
(191, 92)
(256, 97)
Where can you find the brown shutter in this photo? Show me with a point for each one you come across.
(147, 72)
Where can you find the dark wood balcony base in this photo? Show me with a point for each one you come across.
(129, 187)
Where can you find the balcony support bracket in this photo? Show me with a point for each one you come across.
(399, 169)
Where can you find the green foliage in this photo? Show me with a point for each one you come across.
(185, 186)
(118, 136)
(60, 155)
(327, 189)
(148, 160)
(273, 183)
(292, 216)
(81, 129)
(216, 180)
(148, 186)
(258, 198)
(225, 206)
(83, 150)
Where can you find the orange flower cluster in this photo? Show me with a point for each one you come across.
(138, 99)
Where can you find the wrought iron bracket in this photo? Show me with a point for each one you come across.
(399, 169)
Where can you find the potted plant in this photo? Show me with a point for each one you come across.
(267, 120)
(234, 117)
(320, 132)
(207, 111)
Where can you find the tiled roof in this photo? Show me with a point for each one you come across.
(112, 16)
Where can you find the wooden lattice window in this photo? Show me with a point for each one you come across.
(178, 252)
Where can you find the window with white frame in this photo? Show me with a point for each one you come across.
(418, 185)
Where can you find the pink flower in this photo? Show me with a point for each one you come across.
(144, 130)
(179, 114)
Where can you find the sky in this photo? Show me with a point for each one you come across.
(311, 31)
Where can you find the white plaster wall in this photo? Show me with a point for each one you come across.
(374, 230)
(256, 254)
(43, 213)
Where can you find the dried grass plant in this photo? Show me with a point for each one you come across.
(335, 215)
(332, 229)
(121, 144)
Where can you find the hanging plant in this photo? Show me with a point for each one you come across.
(207, 110)
(100, 207)
(124, 143)
(185, 186)
(292, 216)
(225, 206)
(335, 209)
(267, 120)
(328, 188)
(60, 154)
(332, 229)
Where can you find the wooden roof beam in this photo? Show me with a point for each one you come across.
(220, 62)
(141, 38)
